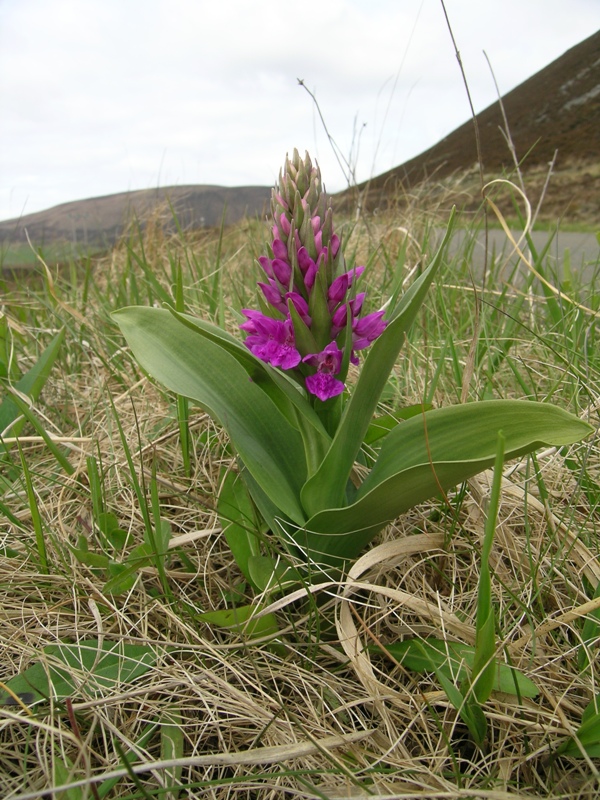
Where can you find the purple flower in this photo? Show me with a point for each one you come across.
(324, 386)
(279, 249)
(328, 362)
(285, 224)
(300, 305)
(335, 246)
(367, 329)
(266, 265)
(319, 241)
(271, 340)
(339, 287)
(307, 285)
(282, 271)
(273, 295)
(305, 262)
(340, 316)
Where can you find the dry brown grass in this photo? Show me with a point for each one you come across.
(314, 713)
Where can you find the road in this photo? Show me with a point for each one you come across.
(583, 248)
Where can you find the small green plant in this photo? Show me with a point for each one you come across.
(297, 428)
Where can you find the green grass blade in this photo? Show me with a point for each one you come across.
(36, 518)
(484, 666)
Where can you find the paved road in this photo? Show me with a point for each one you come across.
(584, 249)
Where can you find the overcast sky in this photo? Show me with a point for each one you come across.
(103, 96)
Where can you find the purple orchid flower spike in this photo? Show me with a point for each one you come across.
(309, 295)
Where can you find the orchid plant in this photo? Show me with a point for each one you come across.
(320, 470)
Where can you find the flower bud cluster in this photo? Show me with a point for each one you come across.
(311, 313)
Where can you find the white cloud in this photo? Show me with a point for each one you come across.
(100, 96)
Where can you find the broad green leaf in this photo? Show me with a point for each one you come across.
(472, 715)
(592, 709)
(236, 513)
(381, 426)
(455, 660)
(71, 669)
(30, 384)
(131, 756)
(428, 453)
(587, 735)
(466, 705)
(108, 523)
(123, 575)
(326, 488)
(484, 668)
(469, 432)
(272, 574)
(194, 366)
(83, 554)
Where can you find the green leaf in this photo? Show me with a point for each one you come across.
(109, 526)
(484, 667)
(455, 660)
(63, 774)
(122, 576)
(192, 365)
(587, 736)
(381, 426)
(590, 635)
(172, 744)
(85, 556)
(269, 573)
(84, 667)
(472, 715)
(466, 705)
(433, 452)
(238, 521)
(326, 488)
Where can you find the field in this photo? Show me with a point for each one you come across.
(112, 550)
(23, 255)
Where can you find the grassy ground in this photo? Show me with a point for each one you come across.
(109, 536)
(24, 255)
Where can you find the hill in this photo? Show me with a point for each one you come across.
(99, 221)
(556, 111)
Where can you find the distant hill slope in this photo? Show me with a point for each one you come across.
(557, 109)
(99, 221)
